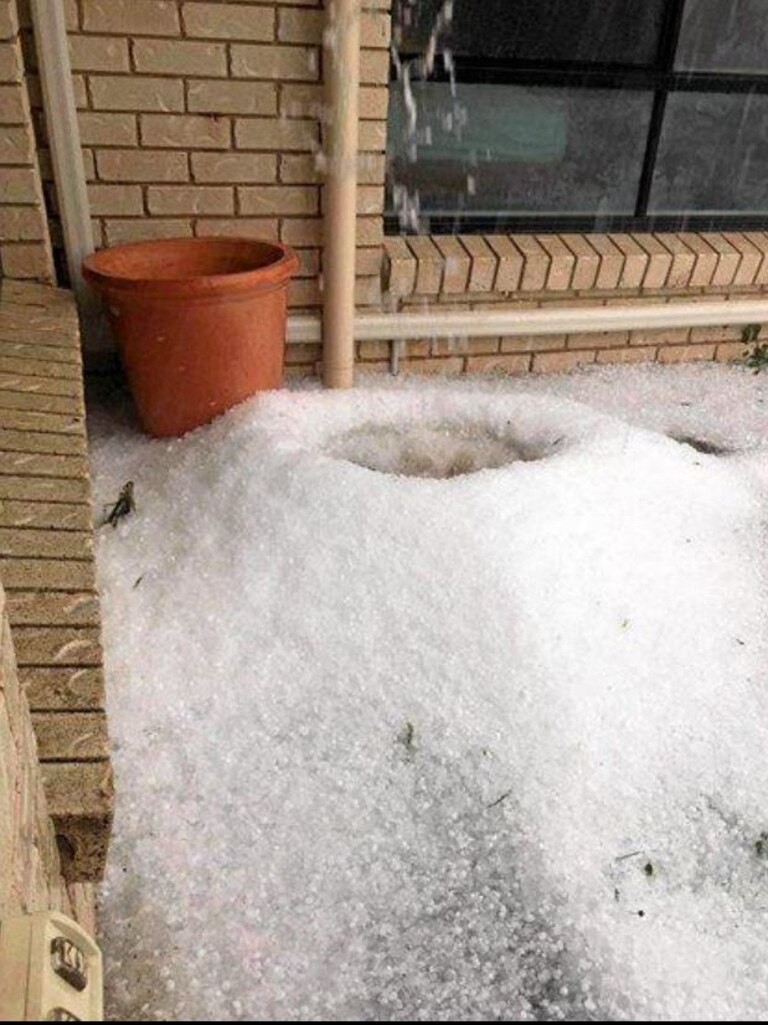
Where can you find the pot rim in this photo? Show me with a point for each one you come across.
(268, 277)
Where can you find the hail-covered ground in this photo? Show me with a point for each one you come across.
(441, 701)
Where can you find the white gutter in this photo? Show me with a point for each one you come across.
(64, 136)
(341, 69)
(67, 157)
(489, 323)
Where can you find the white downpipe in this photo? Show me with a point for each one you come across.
(341, 68)
(64, 136)
(483, 324)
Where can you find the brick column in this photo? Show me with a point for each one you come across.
(25, 245)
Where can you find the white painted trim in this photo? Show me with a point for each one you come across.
(488, 323)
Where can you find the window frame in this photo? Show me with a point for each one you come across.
(659, 78)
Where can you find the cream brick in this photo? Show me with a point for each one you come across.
(228, 21)
(456, 264)
(587, 261)
(137, 228)
(667, 336)
(284, 63)
(180, 57)
(185, 131)
(729, 351)
(300, 168)
(228, 97)
(128, 165)
(375, 30)
(429, 264)
(533, 343)
(21, 224)
(10, 63)
(190, 199)
(685, 353)
(598, 339)
(635, 261)
(301, 231)
(728, 259)
(13, 107)
(9, 22)
(644, 354)
(368, 291)
(659, 262)
(272, 134)
(483, 268)
(371, 168)
(131, 17)
(26, 260)
(370, 199)
(536, 263)
(400, 267)
(374, 102)
(133, 92)
(303, 100)
(751, 258)
(17, 185)
(611, 261)
(374, 67)
(373, 350)
(309, 263)
(510, 267)
(442, 365)
(558, 362)
(562, 263)
(722, 333)
(368, 261)
(98, 53)
(102, 129)
(278, 199)
(234, 167)
(295, 26)
(683, 260)
(302, 352)
(248, 227)
(304, 292)
(115, 200)
(760, 242)
(372, 136)
(513, 363)
(706, 259)
(16, 145)
(369, 232)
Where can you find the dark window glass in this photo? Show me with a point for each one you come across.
(597, 31)
(496, 149)
(713, 155)
(578, 115)
(724, 35)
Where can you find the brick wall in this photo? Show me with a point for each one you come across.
(526, 272)
(25, 250)
(206, 118)
(30, 871)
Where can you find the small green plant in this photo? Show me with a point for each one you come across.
(756, 357)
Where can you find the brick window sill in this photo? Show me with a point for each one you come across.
(466, 265)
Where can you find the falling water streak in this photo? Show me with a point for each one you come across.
(406, 203)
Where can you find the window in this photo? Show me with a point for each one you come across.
(578, 115)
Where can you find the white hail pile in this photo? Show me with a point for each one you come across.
(487, 747)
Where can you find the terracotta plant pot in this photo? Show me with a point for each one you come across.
(200, 323)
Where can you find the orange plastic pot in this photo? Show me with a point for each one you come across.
(200, 323)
